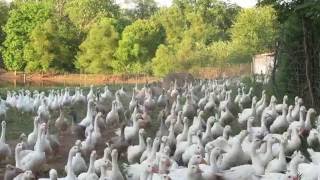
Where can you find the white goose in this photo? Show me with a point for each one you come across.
(107, 94)
(27, 175)
(104, 160)
(270, 113)
(96, 133)
(89, 117)
(34, 159)
(5, 151)
(284, 103)
(280, 124)
(78, 163)
(90, 95)
(279, 164)
(90, 174)
(32, 137)
(147, 151)
(113, 116)
(135, 152)
(310, 115)
(301, 123)
(209, 171)
(115, 172)
(249, 112)
(296, 109)
(70, 173)
(247, 171)
(235, 156)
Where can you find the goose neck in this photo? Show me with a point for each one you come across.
(3, 134)
(122, 136)
(103, 171)
(208, 129)
(301, 117)
(171, 132)
(284, 112)
(69, 164)
(91, 165)
(40, 142)
(141, 141)
(293, 167)
(17, 157)
(115, 163)
(282, 156)
(189, 139)
(225, 135)
(213, 160)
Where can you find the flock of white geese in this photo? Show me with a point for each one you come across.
(204, 130)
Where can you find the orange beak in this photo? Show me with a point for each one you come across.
(155, 169)
(203, 161)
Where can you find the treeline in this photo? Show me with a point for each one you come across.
(97, 36)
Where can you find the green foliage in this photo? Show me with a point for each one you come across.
(96, 52)
(143, 9)
(4, 9)
(96, 36)
(138, 45)
(255, 29)
(83, 12)
(52, 47)
(21, 22)
(298, 49)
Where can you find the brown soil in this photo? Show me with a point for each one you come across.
(74, 79)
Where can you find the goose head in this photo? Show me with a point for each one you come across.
(93, 154)
(250, 91)
(273, 100)
(254, 100)
(142, 132)
(196, 159)
(312, 111)
(285, 98)
(3, 124)
(242, 135)
(151, 169)
(185, 121)
(226, 131)
(194, 172)
(298, 156)
(256, 144)
(53, 174)
(28, 175)
(106, 152)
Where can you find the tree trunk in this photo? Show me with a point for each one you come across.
(307, 59)
(273, 73)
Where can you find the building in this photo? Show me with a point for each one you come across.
(262, 64)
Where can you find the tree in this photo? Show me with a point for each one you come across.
(21, 22)
(96, 52)
(138, 45)
(83, 12)
(143, 9)
(4, 9)
(52, 46)
(164, 61)
(255, 29)
(173, 22)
